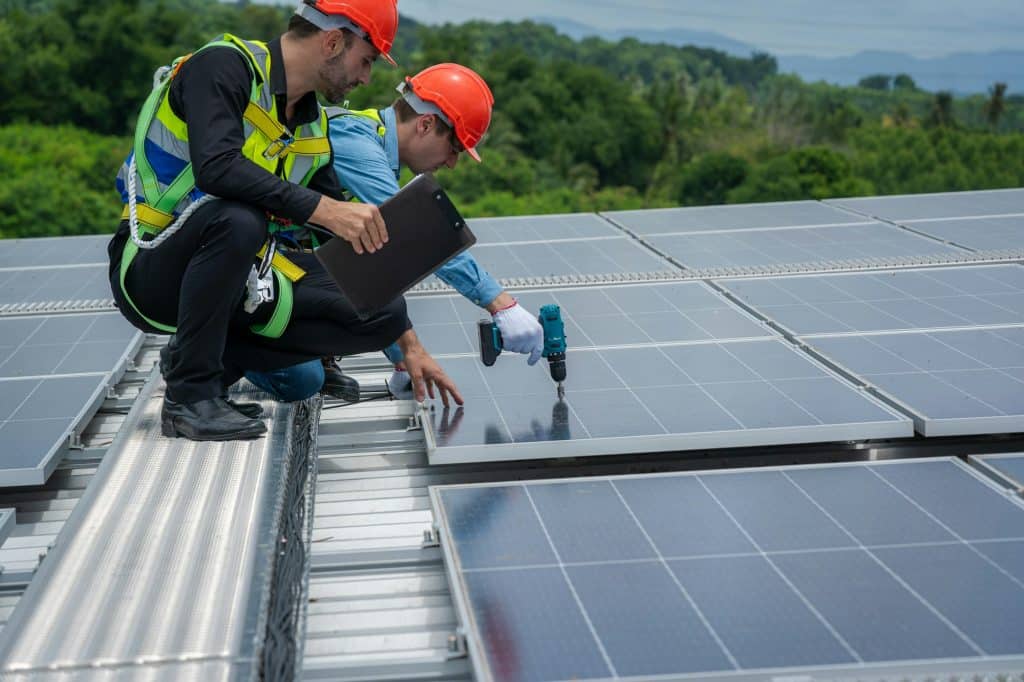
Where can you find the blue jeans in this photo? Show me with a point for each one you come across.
(289, 384)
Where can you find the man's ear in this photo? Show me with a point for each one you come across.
(333, 42)
(425, 124)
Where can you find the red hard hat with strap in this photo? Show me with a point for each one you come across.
(376, 20)
(460, 96)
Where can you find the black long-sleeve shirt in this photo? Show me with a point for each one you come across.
(210, 93)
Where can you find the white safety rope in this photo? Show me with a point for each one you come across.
(159, 76)
(167, 232)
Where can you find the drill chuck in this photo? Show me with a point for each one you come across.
(556, 364)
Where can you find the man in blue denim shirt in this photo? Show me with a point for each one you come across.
(443, 111)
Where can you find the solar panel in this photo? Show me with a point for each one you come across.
(65, 344)
(542, 228)
(1007, 469)
(54, 371)
(889, 300)
(953, 382)
(569, 258)
(53, 286)
(650, 399)
(36, 418)
(945, 205)
(982, 234)
(6, 524)
(53, 251)
(875, 570)
(822, 247)
(733, 217)
(596, 316)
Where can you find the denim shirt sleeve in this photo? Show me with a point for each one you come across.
(465, 275)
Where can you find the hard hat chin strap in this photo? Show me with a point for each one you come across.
(421, 106)
(328, 22)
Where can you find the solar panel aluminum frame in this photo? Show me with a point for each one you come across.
(6, 524)
(929, 427)
(902, 427)
(983, 463)
(471, 642)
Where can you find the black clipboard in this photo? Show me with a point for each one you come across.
(425, 231)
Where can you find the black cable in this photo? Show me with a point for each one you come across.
(383, 396)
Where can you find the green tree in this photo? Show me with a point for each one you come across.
(808, 173)
(710, 179)
(878, 81)
(903, 81)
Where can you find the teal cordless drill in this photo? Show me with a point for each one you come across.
(550, 319)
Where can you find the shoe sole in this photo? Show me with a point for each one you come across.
(169, 429)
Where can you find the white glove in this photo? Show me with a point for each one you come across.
(520, 332)
(400, 385)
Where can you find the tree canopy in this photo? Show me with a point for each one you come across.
(578, 125)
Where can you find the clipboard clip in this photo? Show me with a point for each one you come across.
(451, 213)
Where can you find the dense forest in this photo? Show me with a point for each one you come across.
(579, 125)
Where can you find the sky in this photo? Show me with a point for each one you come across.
(826, 28)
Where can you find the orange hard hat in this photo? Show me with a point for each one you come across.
(374, 20)
(459, 95)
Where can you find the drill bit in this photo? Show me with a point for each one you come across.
(561, 391)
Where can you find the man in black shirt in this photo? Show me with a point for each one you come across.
(232, 143)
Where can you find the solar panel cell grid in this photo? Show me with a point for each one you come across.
(736, 217)
(53, 251)
(597, 316)
(928, 206)
(981, 234)
(36, 417)
(54, 285)
(954, 382)
(892, 300)
(791, 247)
(652, 399)
(65, 344)
(741, 572)
(569, 258)
(542, 228)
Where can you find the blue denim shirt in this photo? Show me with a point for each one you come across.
(367, 165)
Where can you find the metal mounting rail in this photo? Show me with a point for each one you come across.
(183, 560)
(76, 306)
(813, 267)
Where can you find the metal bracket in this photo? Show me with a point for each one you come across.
(431, 538)
(416, 418)
(457, 647)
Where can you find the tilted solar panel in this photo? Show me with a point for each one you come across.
(869, 571)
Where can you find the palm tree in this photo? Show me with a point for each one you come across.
(995, 107)
(941, 115)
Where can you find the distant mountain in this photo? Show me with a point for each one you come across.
(673, 36)
(962, 73)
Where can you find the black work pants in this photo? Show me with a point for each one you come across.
(195, 281)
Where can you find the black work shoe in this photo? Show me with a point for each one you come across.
(250, 410)
(340, 386)
(212, 419)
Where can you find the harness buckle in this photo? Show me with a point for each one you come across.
(278, 147)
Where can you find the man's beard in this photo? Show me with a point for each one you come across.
(334, 76)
